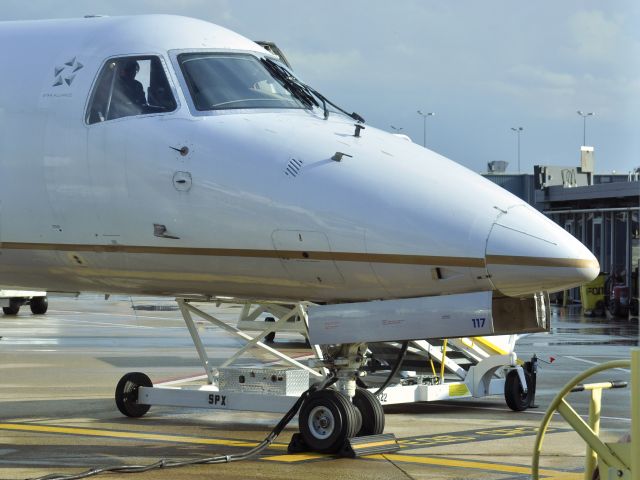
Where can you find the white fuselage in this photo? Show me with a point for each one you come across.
(78, 201)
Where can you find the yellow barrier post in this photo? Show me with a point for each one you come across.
(606, 454)
(635, 414)
(591, 458)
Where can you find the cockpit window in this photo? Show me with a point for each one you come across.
(130, 86)
(232, 81)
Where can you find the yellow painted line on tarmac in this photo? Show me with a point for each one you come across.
(471, 464)
(296, 457)
(92, 432)
(376, 444)
(288, 458)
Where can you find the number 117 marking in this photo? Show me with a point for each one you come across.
(478, 322)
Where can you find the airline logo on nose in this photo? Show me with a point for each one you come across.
(65, 73)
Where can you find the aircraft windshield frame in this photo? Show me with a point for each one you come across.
(232, 81)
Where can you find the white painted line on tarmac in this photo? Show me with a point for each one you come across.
(39, 350)
(126, 315)
(577, 359)
(122, 325)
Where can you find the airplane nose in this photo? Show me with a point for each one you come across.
(527, 253)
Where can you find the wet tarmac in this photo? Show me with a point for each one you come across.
(58, 373)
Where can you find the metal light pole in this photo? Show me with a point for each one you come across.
(518, 130)
(584, 125)
(424, 125)
(396, 129)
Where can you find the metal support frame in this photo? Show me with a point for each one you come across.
(615, 459)
(591, 457)
(485, 377)
(296, 323)
(187, 309)
(440, 356)
(210, 395)
(481, 378)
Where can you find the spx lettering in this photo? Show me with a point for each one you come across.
(215, 399)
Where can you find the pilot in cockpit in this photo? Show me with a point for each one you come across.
(128, 95)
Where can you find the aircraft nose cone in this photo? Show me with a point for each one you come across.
(527, 253)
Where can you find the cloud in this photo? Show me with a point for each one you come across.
(536, 89)
(326, 64)
(596, 37)
(540, 77)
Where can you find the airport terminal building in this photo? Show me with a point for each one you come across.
(601, 210)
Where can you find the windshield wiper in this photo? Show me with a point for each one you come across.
(324, 101)
(290, 83)
(304, 92)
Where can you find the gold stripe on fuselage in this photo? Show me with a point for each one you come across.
(388, 258)
(541, 261)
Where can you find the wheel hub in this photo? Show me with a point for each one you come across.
(321, 422)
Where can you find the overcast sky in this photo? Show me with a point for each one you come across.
(481, 66)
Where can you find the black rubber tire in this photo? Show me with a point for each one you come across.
(614, 308)
(344, 421)
(516, 399)
(127, 394)
(371, 411)
(13, 308)
(356, 423)
(271, 336)
(39, 305)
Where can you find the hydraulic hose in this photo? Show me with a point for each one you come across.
(167, 463)
(401, 354)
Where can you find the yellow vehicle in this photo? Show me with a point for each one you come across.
(592, 295)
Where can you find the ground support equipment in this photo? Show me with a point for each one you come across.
(329, 418)
(272, 317)
(614, 460)
(483, 367)
(265, 390)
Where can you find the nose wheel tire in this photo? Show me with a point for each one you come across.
(516, 399)
(371, 410)
(127, 394)
(327, 419)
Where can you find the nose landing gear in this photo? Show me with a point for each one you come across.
(331, 419)
(327, 419)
